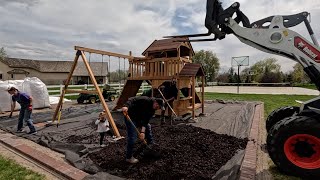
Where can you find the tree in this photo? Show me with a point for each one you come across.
(298, 74)
(209, 62)
(233, 78)
(3, 53)
(117, 76)
(245, 76)
(223, 78)
(266, 68)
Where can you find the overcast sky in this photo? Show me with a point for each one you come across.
(49, 29)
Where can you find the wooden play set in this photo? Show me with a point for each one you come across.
(163, 60)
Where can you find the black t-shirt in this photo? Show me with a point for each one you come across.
(140, 109)
(169, 90)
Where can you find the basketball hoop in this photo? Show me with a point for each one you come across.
(239, 61)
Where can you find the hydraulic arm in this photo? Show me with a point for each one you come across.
(270, 35)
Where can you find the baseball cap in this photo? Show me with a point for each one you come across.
(161, 103)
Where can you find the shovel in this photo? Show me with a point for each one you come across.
(148, 151)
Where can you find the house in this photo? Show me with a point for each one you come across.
(51, 72)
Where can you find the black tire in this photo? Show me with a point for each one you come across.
(289, 137)
(112, 98)
(92, 100)
(279, 114)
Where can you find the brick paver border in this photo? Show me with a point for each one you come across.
(249, 164)
(62, 168)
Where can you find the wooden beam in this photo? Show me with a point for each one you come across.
(102, 100)
(193, 96)
(59, 106)
(102, 52)
(202, 94)
(81, 91)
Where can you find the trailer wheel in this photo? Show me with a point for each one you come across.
(112, 98)
(279, 114)
(92, 100)
(294, 146)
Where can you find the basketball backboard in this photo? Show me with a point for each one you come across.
(240, 61)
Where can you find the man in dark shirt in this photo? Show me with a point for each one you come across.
(25, 102)
(170, 93)
(140, 109)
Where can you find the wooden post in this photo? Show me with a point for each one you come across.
(193, 96)
(202, 94)
(75, 61)
(103, 102)
(178, 106)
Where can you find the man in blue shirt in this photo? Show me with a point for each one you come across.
(25, 102)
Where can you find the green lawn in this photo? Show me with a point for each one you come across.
(308, 86)
(9, 169)
(271, 102)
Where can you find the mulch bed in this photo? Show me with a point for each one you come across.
(187, 152)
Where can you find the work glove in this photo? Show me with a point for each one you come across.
(30, 107)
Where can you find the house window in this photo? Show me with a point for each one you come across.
(11, 76)
(0, 76)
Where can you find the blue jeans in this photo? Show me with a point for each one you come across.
(25, 115)
(132, 137)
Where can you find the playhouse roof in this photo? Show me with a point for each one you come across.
(192, 69)
(168, 44)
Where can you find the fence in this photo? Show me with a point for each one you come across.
(56, 90)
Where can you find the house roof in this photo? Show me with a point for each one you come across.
(168, 44)
(192, 69)
(98, 68)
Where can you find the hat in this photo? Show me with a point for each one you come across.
(11, 89)
(161, 103)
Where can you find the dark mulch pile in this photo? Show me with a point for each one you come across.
(187, 152)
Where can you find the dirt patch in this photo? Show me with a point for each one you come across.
(187, 152)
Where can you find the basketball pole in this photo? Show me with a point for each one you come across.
(238, 78)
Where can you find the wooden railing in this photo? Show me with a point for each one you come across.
(156, 68)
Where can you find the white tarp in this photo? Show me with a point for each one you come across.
(55, 100)
(32, 86)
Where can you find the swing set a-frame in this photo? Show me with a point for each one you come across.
(81, 52)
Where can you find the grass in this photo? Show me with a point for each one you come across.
(308, 86)
(271, 102)
(9, 169)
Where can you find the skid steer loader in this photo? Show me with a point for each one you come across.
(293, 141)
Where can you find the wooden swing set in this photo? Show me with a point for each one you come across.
(81, 52)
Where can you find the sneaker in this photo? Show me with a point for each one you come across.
(103, 145)
(20, 131)
(32, 132)
(110, 139)
(132, 160)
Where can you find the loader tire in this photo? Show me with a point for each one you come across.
(279, 114)
(293, 145)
